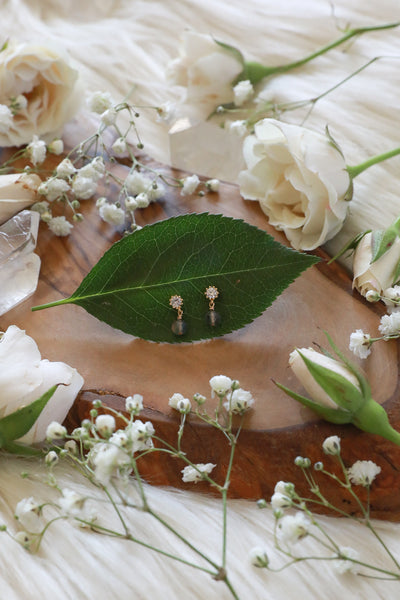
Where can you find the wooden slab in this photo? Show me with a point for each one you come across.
(278, 429)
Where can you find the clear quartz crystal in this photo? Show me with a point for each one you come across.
(19, 266)
(205, 149)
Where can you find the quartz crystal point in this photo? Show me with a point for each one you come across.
(205, 149)
(19, 266)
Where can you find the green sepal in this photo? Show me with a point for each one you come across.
(17, 424)
(255, 72)
(350, 246)
(338, 388)
(232, 50)
(333, 142)
(363, 382)
(339, 416)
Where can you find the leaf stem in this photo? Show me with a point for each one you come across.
(50, 304)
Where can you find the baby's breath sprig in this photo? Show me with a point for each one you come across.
(294, 519)
(106, 449)
(242, 118)
(89, 170)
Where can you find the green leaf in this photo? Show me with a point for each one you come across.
(21, 450)
(232, 50)
(382, 241)
(338, 415)
(18, 423)
(131, 285)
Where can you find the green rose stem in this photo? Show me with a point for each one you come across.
(357, 169)
(255, 71)
(372, 418)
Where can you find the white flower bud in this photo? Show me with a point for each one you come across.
(134, 404)
(51, 458)
(331, 445)
(105, 425)
(56, 147)
(220, 384)
(55, 431)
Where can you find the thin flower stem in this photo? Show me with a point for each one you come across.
(183, 539)
(355, 170)
(131, 538)
(384, 546)
(255, 72)
(224, 494)
(230, 588)
(146, 506)
(118, 512)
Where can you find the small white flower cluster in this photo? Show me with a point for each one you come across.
(179, 403)
(237, 401)
(195, 473)
(363, 472)
(113, 458)
(68, 184)
(283, 496)
(28, 513)
(389, 327)
(345, 564)
(292, 528)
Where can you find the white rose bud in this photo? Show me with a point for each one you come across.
(376, 277)
(317, 393)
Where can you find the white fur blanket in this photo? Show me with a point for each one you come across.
(118, 43)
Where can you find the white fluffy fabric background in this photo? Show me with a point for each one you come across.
(118, 43)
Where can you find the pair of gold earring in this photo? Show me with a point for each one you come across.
(213, 318)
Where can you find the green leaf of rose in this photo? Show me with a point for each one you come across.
(17, 424)
(338, 415)
(131, 285)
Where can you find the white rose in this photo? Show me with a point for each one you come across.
(300, 179)
(378, 276)
(316, 392)
(16, 193)
(206, 69)
(43, 75)
(24, 377)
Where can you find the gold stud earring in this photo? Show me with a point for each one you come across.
(213, 318)
(179, 327)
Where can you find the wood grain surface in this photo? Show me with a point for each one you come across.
(115, 364)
